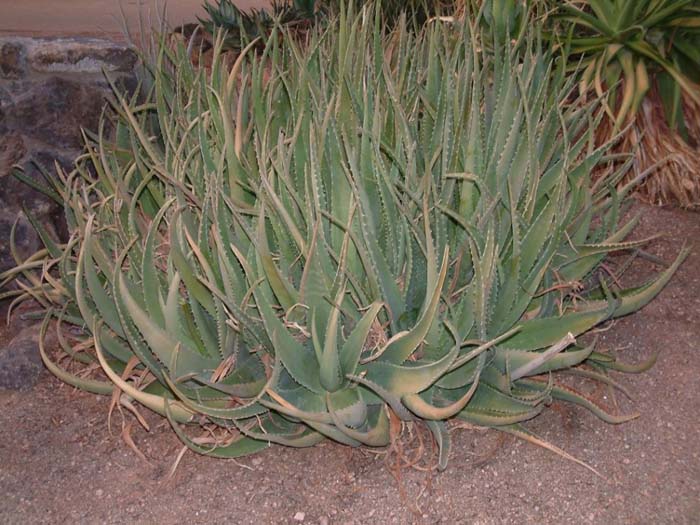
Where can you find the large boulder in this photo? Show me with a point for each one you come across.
(80, 56)
(54, 111)
(11, 60)
(12, 151)
(20, 361)
(50, 90)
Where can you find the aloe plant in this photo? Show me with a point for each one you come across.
(321, 239)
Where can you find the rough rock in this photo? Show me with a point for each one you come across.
(55, 111)
(20, 361)
(80, 56)
(11, 60)
(12, 151)
(50, 89)
(5, 103)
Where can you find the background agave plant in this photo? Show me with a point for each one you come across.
(242, 27)
(647, 54)
(324, 240)
(638, 43)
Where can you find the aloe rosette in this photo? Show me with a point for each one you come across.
(322, 238)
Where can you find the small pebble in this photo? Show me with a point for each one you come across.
(99, 493)
(299, 516)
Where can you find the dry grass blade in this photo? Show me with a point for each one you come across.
(176, 463)
(126, 403)
(129, 440)
(676, 181)
(536, 440)
(116, 395)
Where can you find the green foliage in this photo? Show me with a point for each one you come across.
(318, 240)
(627, 45)
(241, 27)
(502, 20)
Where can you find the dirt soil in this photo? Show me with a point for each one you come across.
(60, 463)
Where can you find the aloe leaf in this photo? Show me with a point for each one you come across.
(578, 267)
(159, 340)
(43, 188)
(612, 363)
(300, 439)
(104, 303)
(334, 433)
(634, 300)
(349, 406)
(301, 364)
(402, 347)
(515, 359)
(194, 286)
(390, 398)
(600, 377)
(151, 285)
(115, 346)
(246, 410)
(54, 249)
(175, 324)
(286, 295)
(283, 406)
(330, 369)
(491, 407)
(377, 434)
(565, 393)
(86, 310)
(540, 333)
(158, 404)
(442, 437)
(493, 417)
(540, 360)
(240, 447)
(355, 343)
(136, 344)
(586, 250)
(423, 409)
(89, 385)
(409, 378)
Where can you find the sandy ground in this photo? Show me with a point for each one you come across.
(100, 18)
(60, 463)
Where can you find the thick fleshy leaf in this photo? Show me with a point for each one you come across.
(402, 347)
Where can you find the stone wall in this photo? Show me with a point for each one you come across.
(49, 90)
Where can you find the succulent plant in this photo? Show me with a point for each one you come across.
(241, 26)
(319, 240)
(629, 46)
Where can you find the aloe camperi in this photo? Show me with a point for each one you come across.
(320, 239)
